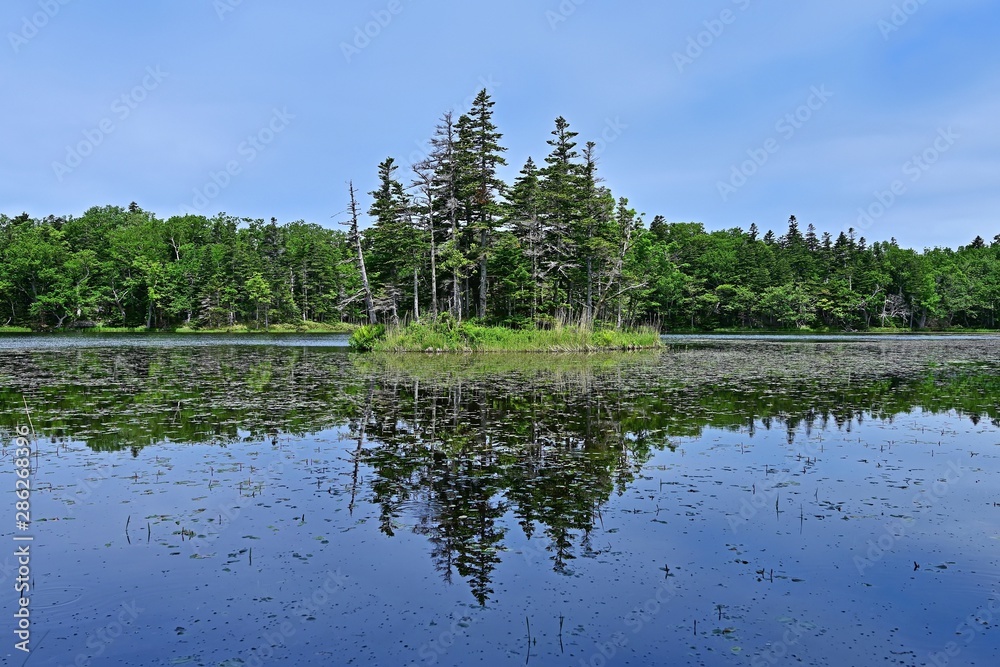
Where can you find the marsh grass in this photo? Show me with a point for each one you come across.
(468, 337)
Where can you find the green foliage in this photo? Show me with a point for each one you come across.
(555, 247)
(365, 338)
(449, 336)
(126, 268)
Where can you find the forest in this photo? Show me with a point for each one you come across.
(554, 246)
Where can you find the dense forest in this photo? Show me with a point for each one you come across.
(452, 237)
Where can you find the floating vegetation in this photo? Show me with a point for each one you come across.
(697, 500)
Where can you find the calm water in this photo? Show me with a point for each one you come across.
(729, 501)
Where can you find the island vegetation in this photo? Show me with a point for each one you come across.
(452, 257)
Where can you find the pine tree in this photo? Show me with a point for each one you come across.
(392, 241)
(525, 219)
(561, 195)
(595, 237)
(811, 241)
(479, 154)
(443, 160)
(424, 182)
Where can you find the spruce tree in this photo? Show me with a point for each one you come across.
(561, 195)
(393, 245)
(479, 154)
(525, 220)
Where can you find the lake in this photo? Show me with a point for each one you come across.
(233, 500)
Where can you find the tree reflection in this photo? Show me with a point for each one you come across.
(462, 449)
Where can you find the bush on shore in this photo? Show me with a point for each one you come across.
(447, 335)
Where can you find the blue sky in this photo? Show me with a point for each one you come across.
(876, 114)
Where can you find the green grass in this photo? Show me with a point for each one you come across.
(299, 328)
(467, 337)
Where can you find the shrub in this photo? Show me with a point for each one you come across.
(365, 338)
(603, 338)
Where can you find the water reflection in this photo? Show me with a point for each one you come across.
(454, 446)
(461, 454)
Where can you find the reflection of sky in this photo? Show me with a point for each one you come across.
(203, 598)
(888, 607)
(389, 606)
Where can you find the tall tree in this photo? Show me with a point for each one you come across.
(424, 206)
(561, 194)
(443, 159)
(479, 156)
(392, 241)
(525, 220)
(355, 237)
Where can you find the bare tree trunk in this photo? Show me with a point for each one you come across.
(356, 237)
(425, 177)
(416, 296)
(466, 298)
(483, 281)
(305, 292)
(534, 282)
(434, 278)
(395, 313)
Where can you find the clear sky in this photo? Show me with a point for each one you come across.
(883, 115)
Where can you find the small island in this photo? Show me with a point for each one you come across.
(447, 335)
(453, 258)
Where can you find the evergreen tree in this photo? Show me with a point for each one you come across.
(524, 213)
(479, 154)
(561, 191)
(393, 246)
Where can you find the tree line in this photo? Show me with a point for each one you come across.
(451, 237)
